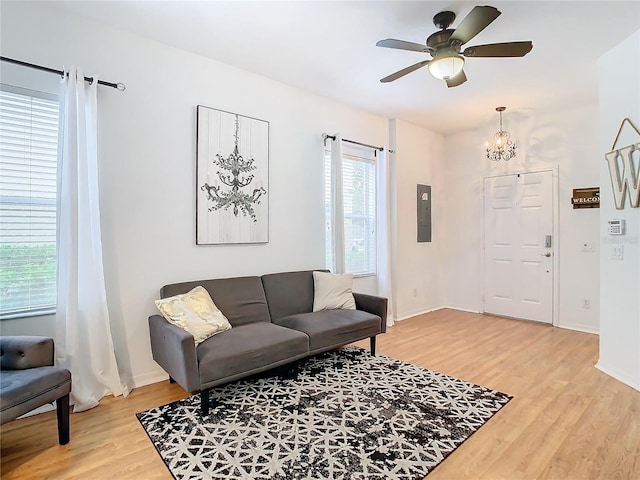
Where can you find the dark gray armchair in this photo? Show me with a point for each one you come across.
(29, 380)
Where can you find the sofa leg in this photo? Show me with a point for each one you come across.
(171, 379)
(204, 402)
(62, 408)
(373, 345)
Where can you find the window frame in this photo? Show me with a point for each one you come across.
(33, 310)
(366, 156)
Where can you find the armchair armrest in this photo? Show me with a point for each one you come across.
(373, 304)
(22, 352)
(174, 350)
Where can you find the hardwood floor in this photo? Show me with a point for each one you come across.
(567, 420)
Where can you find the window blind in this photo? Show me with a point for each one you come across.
(28, 166)
(359, 180)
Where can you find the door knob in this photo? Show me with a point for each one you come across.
(548, 254)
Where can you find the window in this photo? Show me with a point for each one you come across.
(28, 165)
(359, 180)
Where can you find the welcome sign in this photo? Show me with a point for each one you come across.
(586, 197)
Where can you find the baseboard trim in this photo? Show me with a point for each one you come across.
(578, 328)
(409, 315)
(567, 326)
(621, 378)
(464, 310)
(149, 378)
(47, 407)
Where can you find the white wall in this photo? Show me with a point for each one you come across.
(147, 173)
(147, 164)
(564, 139)
(619, 71)
(418, 267)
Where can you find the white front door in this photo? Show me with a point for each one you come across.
(519, 241)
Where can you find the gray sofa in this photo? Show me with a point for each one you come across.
(273, 324)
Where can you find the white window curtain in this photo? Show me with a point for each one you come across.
(83, 338)
(337, 207)
(384, 203)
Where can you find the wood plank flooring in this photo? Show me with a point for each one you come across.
(567, 419)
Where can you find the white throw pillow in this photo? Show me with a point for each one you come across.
(194, 312)
(332, 291)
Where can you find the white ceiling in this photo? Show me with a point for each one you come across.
(329, 48)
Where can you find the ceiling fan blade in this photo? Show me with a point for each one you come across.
(477, 20)
(507, 49)
(457, 80)
(404, 71)
(402, 45)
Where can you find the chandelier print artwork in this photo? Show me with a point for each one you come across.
(235, 175)
(232, 162)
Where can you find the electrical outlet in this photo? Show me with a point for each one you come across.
(586, 303)
(588, 247)
(617, 252)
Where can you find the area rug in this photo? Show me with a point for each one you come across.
(341, 415)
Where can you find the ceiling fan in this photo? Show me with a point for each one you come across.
(445, 46)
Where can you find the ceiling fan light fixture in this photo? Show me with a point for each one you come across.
(446, 67)
(444, 46)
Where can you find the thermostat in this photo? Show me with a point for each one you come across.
(615, 227)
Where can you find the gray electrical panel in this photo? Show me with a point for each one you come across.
(424, 213)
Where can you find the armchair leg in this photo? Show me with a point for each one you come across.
(373, 345)
(62, 408)
(204, 402)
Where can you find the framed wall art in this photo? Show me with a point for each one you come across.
(232, 178)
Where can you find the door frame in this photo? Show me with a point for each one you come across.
(555, 209)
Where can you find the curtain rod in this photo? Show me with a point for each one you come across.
(118, 86)
(333, 137)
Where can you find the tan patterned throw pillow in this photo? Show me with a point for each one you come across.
(194, 312)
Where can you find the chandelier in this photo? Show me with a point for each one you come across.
(503, 148)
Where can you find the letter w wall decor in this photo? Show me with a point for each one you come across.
(626, 183)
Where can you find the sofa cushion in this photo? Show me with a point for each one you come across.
(332, 328)
(248, 349)
(333, 291)
(194, 312)
(289, 293)
(240, 299)
(23, 390)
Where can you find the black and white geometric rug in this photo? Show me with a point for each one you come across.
(346, 415)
